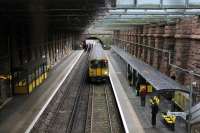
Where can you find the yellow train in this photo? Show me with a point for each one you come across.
(98, 64)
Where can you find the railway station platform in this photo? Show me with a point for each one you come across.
(136, 118)
(123, 102)
(21, 113)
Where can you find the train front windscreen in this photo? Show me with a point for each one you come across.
(99, 64)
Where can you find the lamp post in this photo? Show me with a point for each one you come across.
(190, 106)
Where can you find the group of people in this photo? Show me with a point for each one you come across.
(87, 47)
(154, 101)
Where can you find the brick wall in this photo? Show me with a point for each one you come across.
(159, 31)
(182, 38)
(151, 43)
(195, 44)
(168, 44)
(132, 46)
(140, 41)
(183, 47)
(145, 42)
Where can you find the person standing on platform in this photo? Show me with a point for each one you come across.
(154, 107)
(143, 93)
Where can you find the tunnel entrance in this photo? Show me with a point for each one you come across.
(91, 39)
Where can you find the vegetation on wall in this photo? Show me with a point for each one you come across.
(107, 41)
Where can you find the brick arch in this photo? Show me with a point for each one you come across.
(85, 37)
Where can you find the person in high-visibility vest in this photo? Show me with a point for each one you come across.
(157, 100)
(154, 106)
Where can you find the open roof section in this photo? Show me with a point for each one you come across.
(136, 12)
(155, 12)
(158, 4)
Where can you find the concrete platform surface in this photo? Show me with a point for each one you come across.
(131, 124)
(20, 114)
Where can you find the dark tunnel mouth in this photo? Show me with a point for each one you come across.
(94, 38)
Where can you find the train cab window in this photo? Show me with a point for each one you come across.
(95, 64)
(99, 64)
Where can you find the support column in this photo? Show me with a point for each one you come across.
(120, 42)
(140, 41)
(117, 37)
(134, 41)
(169, 44)
(129, 40)
(151, 43)
(194, 58)
(183, 48)
(123, 38)
(145, 42)
(159, 31)
(132, 45)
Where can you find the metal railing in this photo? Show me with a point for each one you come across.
(191, 72)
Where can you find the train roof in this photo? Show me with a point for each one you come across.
(97, 52)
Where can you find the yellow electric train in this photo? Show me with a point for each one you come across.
(98, 64)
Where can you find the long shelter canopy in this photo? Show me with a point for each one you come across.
(158, 80)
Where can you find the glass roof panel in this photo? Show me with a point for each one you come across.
(153, 10)
(195, 2)
(174, 3)
(148, 2)
(158, 11)
(141, 11)
(157, 3)
(175, 10)
(134, 10)
(193, 10)
(116, 11)
(112, 16)
(124, 2)
(129, 16)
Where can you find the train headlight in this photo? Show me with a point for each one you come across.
(106, 72)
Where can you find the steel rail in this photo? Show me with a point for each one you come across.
(108, 110)
(89, 108)
(91, 123)
(76, 102)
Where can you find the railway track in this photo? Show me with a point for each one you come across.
(59, 114)
(79, 115)
(103, 116)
